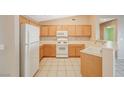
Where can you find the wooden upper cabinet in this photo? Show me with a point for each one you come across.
(34, 23)
(44, 31)
(59, 27)
(23, 20)
(71, 30)
(79, 30)
(52, 30)
(83, 30)
(62, 27)
(65, 28)
(86, 30)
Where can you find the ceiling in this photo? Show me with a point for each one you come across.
(46, 17)
(103, 20)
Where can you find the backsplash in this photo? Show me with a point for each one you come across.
(70, 38)
(79, 38)
(47, 38)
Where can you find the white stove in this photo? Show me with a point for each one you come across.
(62, 44)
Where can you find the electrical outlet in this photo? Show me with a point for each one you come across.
(2, 47)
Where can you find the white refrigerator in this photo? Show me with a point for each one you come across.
(29, 50)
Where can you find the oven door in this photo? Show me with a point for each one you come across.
(62, 50)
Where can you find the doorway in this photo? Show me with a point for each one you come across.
(109, 33)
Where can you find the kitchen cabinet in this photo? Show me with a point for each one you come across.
(65, 28)
(86, 30)
(91, 66)
(44, 31)
(59, 27)
(49, 50)
(34, 23)
(52, 30)
(83, 30)
(71, 30)
(62, 28)
(79, 30)
(23, 20)
(71, 50)
(78, 48)
(74, 49)
(41, 52)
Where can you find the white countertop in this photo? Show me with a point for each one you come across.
(96, 51)
(70, 42)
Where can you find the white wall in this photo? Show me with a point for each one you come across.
(108, 62)
(121, 37)
(81, 20)
(120, 34)
(94, 21)
(9, 36)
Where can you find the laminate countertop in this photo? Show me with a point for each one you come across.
(96, 51)
(87, 43)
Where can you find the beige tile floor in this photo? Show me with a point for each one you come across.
(58, 67)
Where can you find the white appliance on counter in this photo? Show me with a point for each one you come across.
(62, 44)
(29, 50)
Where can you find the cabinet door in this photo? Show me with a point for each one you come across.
(98, 66)
(79, 30)
(46, 50)
(41, 52)
(34, 23)
(78, 51)
(93, 66)
(44, 31)
(71, 30)
(52, 30)
(62, 28)
(59, 27)
(71, 51)
(83, 64)
(49, 50)
(23, 20)
(78, 48)
(53, 50)
(86, 30)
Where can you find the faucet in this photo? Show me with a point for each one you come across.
(101, 41)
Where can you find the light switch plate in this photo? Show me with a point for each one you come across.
(2, 47)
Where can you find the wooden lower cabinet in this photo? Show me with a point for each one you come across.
(74, 49)
(78, 48)
(41, 52)
(71, 50)
(49, 50)
(91, 66)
